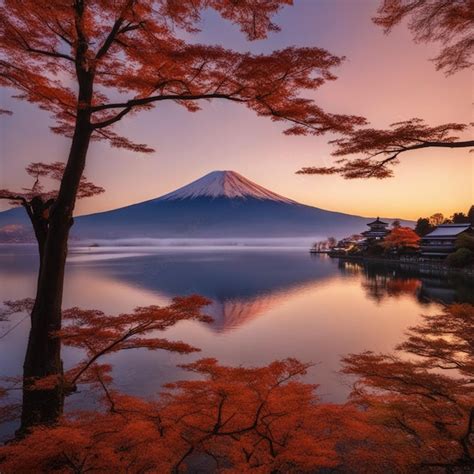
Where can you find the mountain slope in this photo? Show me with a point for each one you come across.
(221, 204)
(227, 184)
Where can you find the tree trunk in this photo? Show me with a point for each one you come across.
(43, 355)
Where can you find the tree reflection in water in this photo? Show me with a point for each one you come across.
(382, 281)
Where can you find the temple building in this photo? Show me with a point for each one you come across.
(378, 230)
(442, 241)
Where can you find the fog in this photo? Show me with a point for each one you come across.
(207, 243)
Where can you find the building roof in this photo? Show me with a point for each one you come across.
(383, 233)
(438, 254)
(377, 221)
(448, 230)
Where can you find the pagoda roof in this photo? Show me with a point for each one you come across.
(378, 221)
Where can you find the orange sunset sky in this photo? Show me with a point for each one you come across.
(386, 78)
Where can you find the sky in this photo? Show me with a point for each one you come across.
(386, 78)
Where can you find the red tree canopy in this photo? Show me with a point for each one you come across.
(377, 150)
(380, 149)
(423, 407)
(131, 56)
(404, 415)
(401, 237)
(446, 22)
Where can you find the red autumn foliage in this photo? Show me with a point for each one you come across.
(236, 419)
(401, 238)
(90, 63)
(99, 334)
(424, 407)
(257, 418)
(404, 415)
(445, 341)
(448, 23)
(138, 41)
(380, 149)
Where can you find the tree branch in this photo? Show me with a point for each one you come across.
(149, 100)
(52, 53)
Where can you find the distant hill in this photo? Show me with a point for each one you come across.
(16, 233)
(221, 204)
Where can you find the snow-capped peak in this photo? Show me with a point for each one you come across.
(227, 184)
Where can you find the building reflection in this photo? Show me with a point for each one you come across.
(387, 281)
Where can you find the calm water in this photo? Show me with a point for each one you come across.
(267, 304)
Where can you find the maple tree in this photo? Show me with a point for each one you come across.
(98, 335)
(38, 201)
(449, 23)
(423, 408)
(254, 417)
(404, 415)
(377, 150)
(237, 419)
(91, 63)
(381, 149)
(401, 238)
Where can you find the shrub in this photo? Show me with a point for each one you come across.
(465, 241)
(460, 258)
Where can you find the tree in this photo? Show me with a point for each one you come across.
(404, 415)
(465, 240)
(91, 63)
(320, 245)
(396, 224)
(447, 22)
(401, 238)
(332, 242)
(254, 418)
(241, 419)
(381, 148)
(470, 215)
(437, 219)
(99, 335)
(423, 226)
(37, 201)
(459, 218)
(421, 409)
(460, 258)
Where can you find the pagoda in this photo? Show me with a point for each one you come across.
(378, 230)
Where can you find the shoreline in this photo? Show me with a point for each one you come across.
(427, 268)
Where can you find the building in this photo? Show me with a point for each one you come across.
(378, 230)
(442, 241)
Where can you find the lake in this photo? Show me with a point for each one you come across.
(267, 304)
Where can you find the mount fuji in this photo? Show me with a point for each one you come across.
(221, 204)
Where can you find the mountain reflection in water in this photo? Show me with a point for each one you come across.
(241, 284)
(267, 304)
